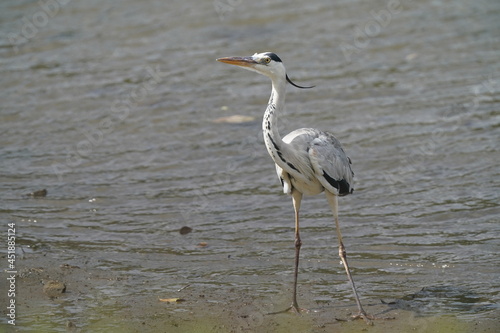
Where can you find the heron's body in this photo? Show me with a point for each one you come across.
(318, 174)
(308, 161)
(303, 179)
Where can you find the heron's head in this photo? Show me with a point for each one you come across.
(266, 63)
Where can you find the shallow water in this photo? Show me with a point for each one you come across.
(112, 107)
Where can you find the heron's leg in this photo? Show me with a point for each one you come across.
(296, 198)
(333, 201)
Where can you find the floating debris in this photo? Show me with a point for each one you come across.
(172, 300)
(411, 56)
(234, 119)
(38, 194)
(182, 288)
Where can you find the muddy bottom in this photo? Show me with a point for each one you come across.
(89, 303)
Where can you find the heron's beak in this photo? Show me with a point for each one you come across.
(239, 61)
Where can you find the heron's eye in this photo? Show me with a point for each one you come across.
(267, 60)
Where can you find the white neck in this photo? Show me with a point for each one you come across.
(274, 144)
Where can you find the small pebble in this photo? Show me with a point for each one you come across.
(185, 230)
(54, 288)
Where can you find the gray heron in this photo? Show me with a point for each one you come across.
(308, 161)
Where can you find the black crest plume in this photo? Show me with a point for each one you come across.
(296, 85)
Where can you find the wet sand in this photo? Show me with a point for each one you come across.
(196, 310)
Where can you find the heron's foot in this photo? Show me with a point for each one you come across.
(369, 318)
(366, 317)
(292, 308)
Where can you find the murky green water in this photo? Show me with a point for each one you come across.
(110, 106)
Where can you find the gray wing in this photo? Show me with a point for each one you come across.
(331, 164)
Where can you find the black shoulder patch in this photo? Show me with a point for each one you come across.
(341, 185)
(273, 56)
